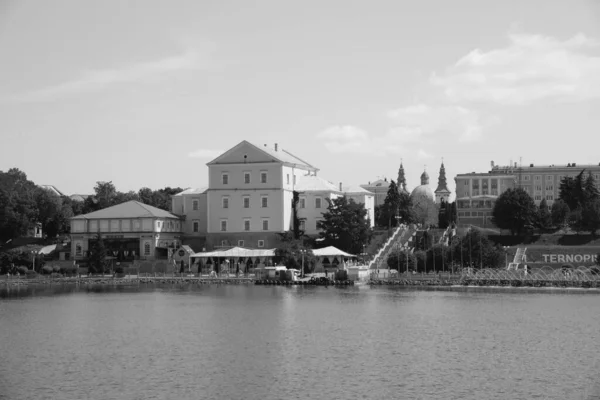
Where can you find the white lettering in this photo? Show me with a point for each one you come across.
(569, 257)
(545, 257)
(587, 257)
(561, 258)
(578, 258)
(553, 258)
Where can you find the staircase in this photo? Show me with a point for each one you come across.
(519, 259)
(393, 242)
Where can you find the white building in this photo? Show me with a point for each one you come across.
(249, 197)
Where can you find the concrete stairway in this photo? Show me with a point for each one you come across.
(520, 258)
(399, 239)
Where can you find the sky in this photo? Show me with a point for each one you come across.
(145, 93)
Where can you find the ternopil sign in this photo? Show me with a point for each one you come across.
(567, 258)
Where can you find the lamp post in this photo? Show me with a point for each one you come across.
(33, 254)
(302, 251)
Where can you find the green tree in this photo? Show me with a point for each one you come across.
(514, 210)
(477, 250)
(399, 258)
(345, 225)
(425, 212)
(18, 208)
(544, 218)
(560, 213)
(105, 194)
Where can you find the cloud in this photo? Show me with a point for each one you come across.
(205, 153)
(422, 123)
(346, 139)
(529, 69)
(96, 80)
(423, 155)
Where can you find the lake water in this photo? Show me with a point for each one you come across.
(257, 342)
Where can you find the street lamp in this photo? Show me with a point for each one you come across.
(33, 254)
(302, 251)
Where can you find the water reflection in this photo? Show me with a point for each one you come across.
(254, 342)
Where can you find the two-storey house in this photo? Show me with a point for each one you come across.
(130, 231)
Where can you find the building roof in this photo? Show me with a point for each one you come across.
(355, 189)
(79, 197)
(280, 155)
(384, 183)
(130, 209)
(312, 183)
(53, 189)
(422, 191)
(192, 191)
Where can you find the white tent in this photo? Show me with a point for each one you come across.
(331, 251)
(235, 252)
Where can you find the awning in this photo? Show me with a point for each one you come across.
(331, 251)
(235, 252)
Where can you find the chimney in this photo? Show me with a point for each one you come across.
(340, 186)
(275, 146)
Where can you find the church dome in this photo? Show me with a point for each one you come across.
(424, 178)
(422, 192)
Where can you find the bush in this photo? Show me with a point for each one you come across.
(22, 270)
(68, 271)
(341, 275)
(47, 270)
(119, 270)
(56, 269)
(31, 273)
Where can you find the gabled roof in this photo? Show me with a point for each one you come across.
(312, 183)
(281, 155)
(79, 197)
(130, 209)
(378, 183)
(53, 189)
(353, 189)
(192, 191)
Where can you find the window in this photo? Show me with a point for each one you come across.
(196, 226)
(146, 248)
(288, 179)
(225, 202)
(538, 188)
(195, 205)
(125, 225)
(93, 226)
(264, 201)
(466, 183)
(538, 197)
(302, 225)
(246, 177)
(246, 200)
(317, 202)
(241, 243)
(527, 178)
(537, 178)
(549, 197)
(225, 179)
(302, 202)
(261, 243)
(549, 188)
(78, 249)
(224, 225)
(263, 177)
(265, 224)
(223, 242)
(548, 177)
(247, 225)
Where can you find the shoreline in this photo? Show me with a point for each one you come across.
(593, 286)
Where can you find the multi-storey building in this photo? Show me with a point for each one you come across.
(476, 192)
(249, 198)
(379, 188)
(130, 231)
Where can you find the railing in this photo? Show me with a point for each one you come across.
(383, 254)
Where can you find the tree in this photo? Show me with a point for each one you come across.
(105, 194)
(298, 233)
(514, 210)
(18, 208)
(293, 252)
(392, 204)
(590, 190)
(544, 218)
(345, 225)
(560, 213)
(476, 250)
(96, 259)
(590, 214)
(425, 212)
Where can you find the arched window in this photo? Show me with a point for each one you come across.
(147, 248)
